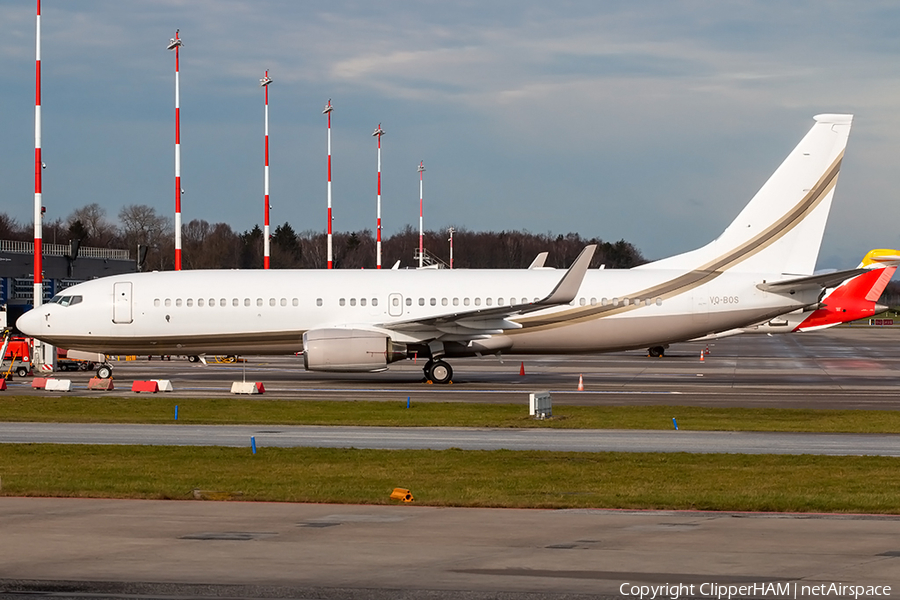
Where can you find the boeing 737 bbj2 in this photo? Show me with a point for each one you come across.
(760, 267)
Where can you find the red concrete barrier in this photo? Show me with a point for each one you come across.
(100, 384)
(145, 386)
(39, 383)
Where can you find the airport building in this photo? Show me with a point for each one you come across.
(64, 266)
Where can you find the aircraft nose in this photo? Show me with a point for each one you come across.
(29, 323)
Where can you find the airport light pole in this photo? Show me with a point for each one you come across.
(421, 218)
(264, 83)
(328, 109)
(175, 44)
(378, 133)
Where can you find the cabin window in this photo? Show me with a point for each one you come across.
(190, 302)
(259, 301)
(615, 301)
(271, 301)
(342, 302)
(199, 301)
(456, 302)
(156, 302)
(433, 302)
(374, 301)
(168, 302)
(318, 302)
(409, 301)
(465, 301)
(604, 301)
(593, 302)
(421, 301)
(582, 301)
(352, 301)
(625, 301)
(488, 301)
(395, 301)
(295, 302)
(444, 302)
(659, 301)
(477, 301)
(235, 302)
(178, 302)
(246, 301)
(499, 301)
(512, 301)
(284, 301)
(362, 301)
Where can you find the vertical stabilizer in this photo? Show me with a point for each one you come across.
(781, 229)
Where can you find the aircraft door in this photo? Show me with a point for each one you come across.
(701, 304)
(395, 305)
(122, 302)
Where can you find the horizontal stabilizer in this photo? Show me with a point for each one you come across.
(828, 280)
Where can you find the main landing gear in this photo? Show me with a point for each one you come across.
(438, 371)
(656, 351)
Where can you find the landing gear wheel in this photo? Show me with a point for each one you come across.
(104, 371)
(193, 358)
(440, 372)
(656, 351)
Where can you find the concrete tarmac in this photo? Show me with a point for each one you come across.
(118, 548)
(837, 368)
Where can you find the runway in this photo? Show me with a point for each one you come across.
(442, 438)
(837, 368)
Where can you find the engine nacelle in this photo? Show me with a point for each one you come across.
(349, 350)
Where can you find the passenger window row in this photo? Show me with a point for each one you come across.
(247, 302)
(622, 301)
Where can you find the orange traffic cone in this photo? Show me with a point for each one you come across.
(580, 383)
(707, 349)
(522, 368)
(702, 354)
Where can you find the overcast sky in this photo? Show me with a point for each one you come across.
(650, 121)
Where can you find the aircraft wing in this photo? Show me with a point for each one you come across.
(813, 282)
(492, 320)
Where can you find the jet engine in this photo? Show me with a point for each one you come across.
(349, 350)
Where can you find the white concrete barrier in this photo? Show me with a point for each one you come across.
(244, 387)
(58, 385)
(165, 385)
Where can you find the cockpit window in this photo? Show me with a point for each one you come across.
(65, 300)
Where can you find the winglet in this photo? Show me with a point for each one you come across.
(567, 288)
(539, 260)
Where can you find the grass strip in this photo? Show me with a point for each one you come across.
(457, 478)
(222, 411)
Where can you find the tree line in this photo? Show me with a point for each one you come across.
(217, 246)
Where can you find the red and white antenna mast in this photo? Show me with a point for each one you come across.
(44, 356)
(421, 218)
(264, 83)
(378, 133)
(175, 44)
(327, 111)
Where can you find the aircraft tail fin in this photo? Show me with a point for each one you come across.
(781, 229)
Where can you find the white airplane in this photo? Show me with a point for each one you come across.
(360, 321)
